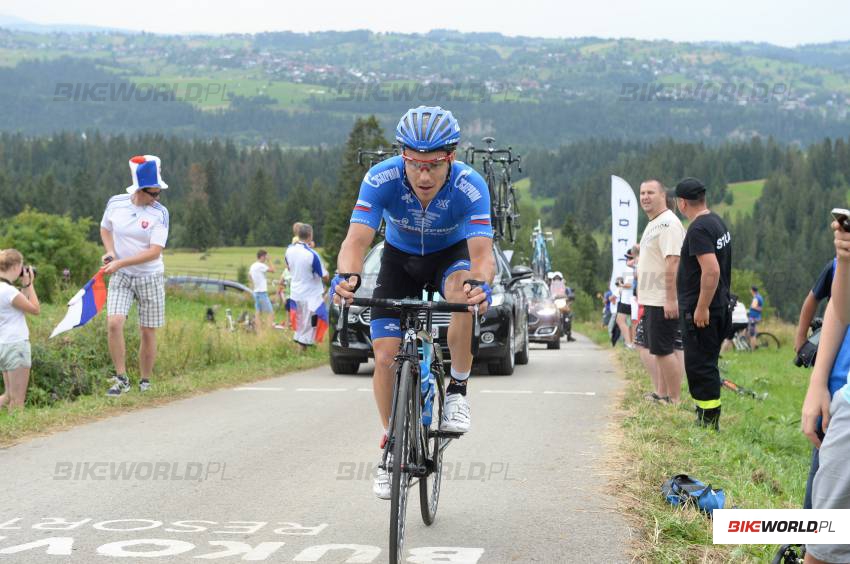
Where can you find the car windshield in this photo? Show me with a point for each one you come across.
(535, 291)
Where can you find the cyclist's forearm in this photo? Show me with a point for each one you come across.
(351, 254)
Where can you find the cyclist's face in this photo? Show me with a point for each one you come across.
(426, 177)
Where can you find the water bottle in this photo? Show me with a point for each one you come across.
(426, 385)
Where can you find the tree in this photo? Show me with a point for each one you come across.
(368, 135)
(201, 231)
(52, 243)
(262, 211)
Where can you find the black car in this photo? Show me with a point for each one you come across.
(504, 329)
(544, 317)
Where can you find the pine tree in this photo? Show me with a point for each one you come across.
(367, 135)
(201, 232)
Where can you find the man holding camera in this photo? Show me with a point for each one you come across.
(819, 292)
(134, 230)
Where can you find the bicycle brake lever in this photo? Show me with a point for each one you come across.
(476, 331)
(342, 325)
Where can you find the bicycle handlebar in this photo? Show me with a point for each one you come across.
(410, 304)
(406, 303)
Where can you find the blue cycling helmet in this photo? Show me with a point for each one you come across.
(428, 128)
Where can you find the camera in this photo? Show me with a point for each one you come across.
(809, 351)
(28, 266)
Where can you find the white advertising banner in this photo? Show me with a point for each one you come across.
(624, 225)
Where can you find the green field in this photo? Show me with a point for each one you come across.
(219, 262)
(744, 196)
(523, 188)
(211, 92)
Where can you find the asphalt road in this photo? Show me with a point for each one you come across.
(280, 471)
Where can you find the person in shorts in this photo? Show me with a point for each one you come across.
(15, 355)
(754, 316)
(134, 230)
(260, 285)
(661, 245)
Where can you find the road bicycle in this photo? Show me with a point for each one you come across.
(764, 340)
(377, 155)
(497, 165)
(540, 261)
(414, 452)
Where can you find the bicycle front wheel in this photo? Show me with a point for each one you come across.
(767, 341)
(402, 452)
(429, 486)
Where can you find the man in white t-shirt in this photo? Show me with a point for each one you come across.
(134, 230)
(260, 285)
(660, 247)
(306, 288)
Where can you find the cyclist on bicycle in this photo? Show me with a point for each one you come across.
(438, 233)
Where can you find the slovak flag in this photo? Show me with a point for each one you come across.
(86, 304)
(321, 322)
(480, 219)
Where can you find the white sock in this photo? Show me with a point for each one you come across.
(460, 376)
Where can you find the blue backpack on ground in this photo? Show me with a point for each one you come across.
(682, 490)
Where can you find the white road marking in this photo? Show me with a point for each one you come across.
(364, 389)
(257, 389)
(321, 389)
(507, 392)
(571, 393)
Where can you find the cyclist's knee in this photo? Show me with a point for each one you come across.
(385, 351)
(453, 287)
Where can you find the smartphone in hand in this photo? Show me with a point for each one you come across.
(842, 216)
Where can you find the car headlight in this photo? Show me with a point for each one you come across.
(546, 311)
(498, 299)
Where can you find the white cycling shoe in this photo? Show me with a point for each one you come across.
(381, 487)
(456, 418)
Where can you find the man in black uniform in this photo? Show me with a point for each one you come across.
(703, 282)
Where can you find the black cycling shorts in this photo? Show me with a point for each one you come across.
(624, 308)
(403, 275)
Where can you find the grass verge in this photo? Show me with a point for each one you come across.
(759, 458)
(69, 376)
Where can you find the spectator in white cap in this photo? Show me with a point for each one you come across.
(134, 230)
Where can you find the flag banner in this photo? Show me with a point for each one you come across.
(84, 306)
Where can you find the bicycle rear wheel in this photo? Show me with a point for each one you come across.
(767, 341)
(402, 451)
(429, 486)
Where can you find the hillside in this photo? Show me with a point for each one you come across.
(305, 89)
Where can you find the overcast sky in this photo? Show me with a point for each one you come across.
(782, 22)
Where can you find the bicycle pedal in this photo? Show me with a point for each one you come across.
(445, 434)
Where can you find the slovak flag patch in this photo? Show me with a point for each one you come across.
(363, 205)
(480, 219)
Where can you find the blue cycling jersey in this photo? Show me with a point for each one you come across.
(459, 211)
